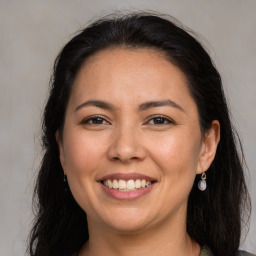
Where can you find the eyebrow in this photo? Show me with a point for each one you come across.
(162, 103)
(96, 103)
(143, 107)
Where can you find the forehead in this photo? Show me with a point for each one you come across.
(128, 75)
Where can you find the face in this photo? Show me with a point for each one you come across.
(131, 144)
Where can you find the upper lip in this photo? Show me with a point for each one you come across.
(126, 177)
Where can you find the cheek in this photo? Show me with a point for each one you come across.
(177, 154)
(176, 158)
(82, 154)
(83, 157)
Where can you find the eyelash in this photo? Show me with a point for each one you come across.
(164, 119)
(94, 118)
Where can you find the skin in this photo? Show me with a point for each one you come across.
(127, 140)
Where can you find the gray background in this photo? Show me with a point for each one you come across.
(32, 33)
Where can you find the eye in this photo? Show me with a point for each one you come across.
(160, 120)
(95, 120)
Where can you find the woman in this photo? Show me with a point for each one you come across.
(140, 154)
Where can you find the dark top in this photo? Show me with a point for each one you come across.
(207, 252)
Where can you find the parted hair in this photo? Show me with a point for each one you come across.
(214, 216)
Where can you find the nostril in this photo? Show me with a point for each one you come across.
(124, 148)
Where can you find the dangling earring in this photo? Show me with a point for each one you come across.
(202, 183)
(65, 183)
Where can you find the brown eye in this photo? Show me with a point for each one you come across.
(95, 120)
(160, 120)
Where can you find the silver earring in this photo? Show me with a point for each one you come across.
(202, 183)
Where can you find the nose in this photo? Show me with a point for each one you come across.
(126, 146)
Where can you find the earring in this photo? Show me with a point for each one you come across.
(65, 183)
(202, 183)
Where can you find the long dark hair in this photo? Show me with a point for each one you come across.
(214, 216)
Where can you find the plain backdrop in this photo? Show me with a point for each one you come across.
(31, 34)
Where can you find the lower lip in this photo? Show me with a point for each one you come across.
(127, 195)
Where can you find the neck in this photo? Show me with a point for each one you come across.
(162, 240)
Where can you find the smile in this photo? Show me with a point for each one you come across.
(129, 185)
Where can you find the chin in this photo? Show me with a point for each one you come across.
(128, 220)
(129, 227)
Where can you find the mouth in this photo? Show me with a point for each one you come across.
(129, 185)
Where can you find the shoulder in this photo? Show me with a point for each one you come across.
(243, 253)
(207, 252)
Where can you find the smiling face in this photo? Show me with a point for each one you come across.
(131, 124)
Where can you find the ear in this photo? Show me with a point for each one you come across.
(61, 151)
(209, 147)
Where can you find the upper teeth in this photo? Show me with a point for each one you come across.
(126, 185)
